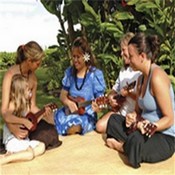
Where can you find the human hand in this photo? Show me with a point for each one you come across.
(18, 130)
(112, 101)
(27, 123)
(48, 110)
(150, 129)
(95, 106)
(124, 92)
(147, 128)
(72, 106)
(130, 119)
(141, 126)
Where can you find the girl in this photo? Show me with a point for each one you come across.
(20, 105)
(126, 76)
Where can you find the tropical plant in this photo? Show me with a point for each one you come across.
(103, 22)
(57, 62)
(6, 59)
(159, 16)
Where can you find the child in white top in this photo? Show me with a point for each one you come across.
(126, 76)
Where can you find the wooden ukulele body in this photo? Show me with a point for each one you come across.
(34, 117)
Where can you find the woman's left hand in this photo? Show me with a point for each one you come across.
(147, 128)
(48, 110)
(48, 114)
(95, 107)
(141, 126)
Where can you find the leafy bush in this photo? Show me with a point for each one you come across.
(104, 22)
(6, 59)
(56, 62)
(158, 19)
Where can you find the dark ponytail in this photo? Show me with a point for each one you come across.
(154, 44)
(20, 54)
(82, 43)
(147, 44)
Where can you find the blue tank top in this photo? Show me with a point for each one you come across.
(151, 110)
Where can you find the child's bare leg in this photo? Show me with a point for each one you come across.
(102, 122)
(39, 149)
(15, 157)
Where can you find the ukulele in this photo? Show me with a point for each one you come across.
(121, 99)
(102, 102)
(82, 103)
(150, 128)
(34, 117)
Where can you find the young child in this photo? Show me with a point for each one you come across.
(126, 76)
(20, 149)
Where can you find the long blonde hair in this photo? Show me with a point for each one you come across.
(18, 95)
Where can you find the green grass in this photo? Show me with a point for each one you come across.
(42, 97)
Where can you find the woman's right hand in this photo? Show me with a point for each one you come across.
(72, 106)
(18, 130)
(130, 119)
(27, 123)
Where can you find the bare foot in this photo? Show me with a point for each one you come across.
(6, 154)
(114, 144)
(74, 129)
(4, 157)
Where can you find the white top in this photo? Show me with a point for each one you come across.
(126, 76)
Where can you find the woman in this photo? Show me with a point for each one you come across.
(29, 57)
(126, 76)
(155, 107)
(20, 149)
(81, 80)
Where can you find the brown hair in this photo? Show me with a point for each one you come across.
(147, 44)
(82, 44)
(30, 50)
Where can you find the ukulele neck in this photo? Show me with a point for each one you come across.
(39, 113)
(84, 104)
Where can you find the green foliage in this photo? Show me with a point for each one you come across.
(56, 60)
(52, 6)
(44, 98)
(160, 20)
(6, 59)
(104, 22)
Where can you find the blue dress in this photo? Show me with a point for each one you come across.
(94, 86)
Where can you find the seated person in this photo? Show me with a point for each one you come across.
(126, 76)
(20, 149)
(82, 82)
(148, 133)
